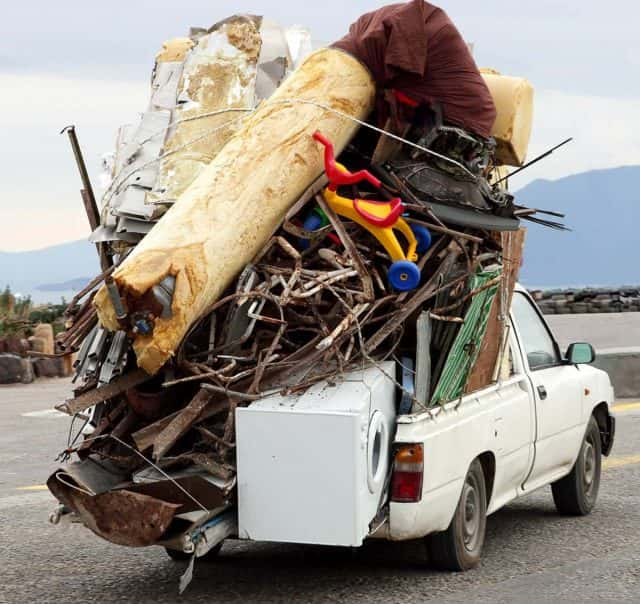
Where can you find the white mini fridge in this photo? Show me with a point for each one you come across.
(313, 468)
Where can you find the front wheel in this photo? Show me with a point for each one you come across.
(576, 493)
(404, 275)
(460, 546)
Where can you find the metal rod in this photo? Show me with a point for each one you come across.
(534, 160)
(88, 198)
(116, 298)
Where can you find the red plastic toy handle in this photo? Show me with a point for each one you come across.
(395, 205)
(337, 176)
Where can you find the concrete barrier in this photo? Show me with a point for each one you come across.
(588, 300)
(623, 367)
(616, 338)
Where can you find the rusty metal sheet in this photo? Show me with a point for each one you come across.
(90, 474)
(180, 424)
(124, 517)
(204, 491)
(145, 437)
(121, 516)
(184, 420)
(210, 465)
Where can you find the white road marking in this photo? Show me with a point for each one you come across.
(45, 413)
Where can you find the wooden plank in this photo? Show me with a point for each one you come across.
(483, 371)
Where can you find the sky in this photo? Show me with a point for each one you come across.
(89, 63)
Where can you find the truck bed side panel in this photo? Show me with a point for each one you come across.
(451, 441)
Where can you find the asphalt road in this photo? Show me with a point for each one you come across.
(531, 553)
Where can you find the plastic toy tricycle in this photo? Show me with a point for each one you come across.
(380, 218)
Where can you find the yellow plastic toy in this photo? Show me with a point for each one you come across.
(380, 218)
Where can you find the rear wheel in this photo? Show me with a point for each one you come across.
(423, 237)
(576, 493)
(460, 546)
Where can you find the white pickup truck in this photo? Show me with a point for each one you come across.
(338, 464)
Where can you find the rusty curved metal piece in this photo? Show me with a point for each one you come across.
(121, 517)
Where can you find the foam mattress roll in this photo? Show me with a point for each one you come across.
(228, 213)
(513, 98)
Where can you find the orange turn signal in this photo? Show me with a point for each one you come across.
(413, 453)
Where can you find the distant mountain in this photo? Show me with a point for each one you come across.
(72, 284)
(602, 208)
(58, 264)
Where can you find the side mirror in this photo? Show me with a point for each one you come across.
(580, 353)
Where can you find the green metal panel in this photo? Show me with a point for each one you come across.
(466, 346)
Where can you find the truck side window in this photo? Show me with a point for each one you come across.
(538, 343)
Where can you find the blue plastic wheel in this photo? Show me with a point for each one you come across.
(404, 275)
(423, 236)
(312, 223)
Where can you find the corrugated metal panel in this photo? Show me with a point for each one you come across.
(466, 346)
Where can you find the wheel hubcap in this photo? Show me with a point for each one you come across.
(471, 507)
(589, 465)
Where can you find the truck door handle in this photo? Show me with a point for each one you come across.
(542, 391)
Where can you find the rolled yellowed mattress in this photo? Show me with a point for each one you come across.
(229, 212)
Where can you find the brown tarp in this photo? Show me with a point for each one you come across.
(416, 49)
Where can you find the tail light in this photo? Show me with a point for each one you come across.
(408, 470)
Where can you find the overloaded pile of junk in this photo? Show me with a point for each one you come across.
(280, 221)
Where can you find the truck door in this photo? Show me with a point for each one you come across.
(556, 391)
(514, 426)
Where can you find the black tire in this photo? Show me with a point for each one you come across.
(576, 493)
(179, 556)
(460, 546)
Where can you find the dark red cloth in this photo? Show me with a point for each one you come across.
(416, 49)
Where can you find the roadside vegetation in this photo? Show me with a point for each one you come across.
(18, 314)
